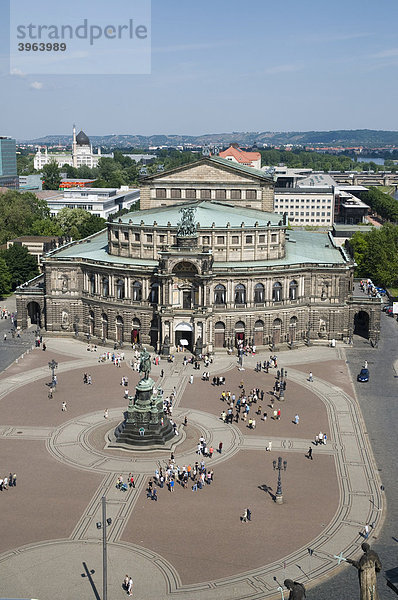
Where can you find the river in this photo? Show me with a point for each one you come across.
(376, 160)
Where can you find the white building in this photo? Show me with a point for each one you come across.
(101, 202)
(310, 200)
(82, 154)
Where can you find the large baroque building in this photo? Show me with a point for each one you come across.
(207, 261)
(82, 154)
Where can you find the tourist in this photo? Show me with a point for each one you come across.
(64, 409)
(106, 413)
(309, 454)
(310, 377)
(130, 587)
(220, 448)
(296, 419)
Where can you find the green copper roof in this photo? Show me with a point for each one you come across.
(207, 213)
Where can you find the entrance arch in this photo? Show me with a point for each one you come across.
(135, 331)
(258, 333)
(183, 332)
(34, 313)
(219, 334)
(276, 331)
(361, 324)
(119, 329)
(239, 333)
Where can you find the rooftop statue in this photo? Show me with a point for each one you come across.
(187, 225)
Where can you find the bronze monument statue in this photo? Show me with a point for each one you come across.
(297, 590)
(368, 566)
(145, 363)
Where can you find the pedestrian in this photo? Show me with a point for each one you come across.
(125, 582)
(191, 379)
(296, 419)
(249, 514)
(309, 455)
(316, 439)
(44, 347)
(269, 447)
(161, 373)
(106, 413)
(64, 409)
(10, 480)
(365, 533)
(310, 378)
(279, 414)
(220, 448)
(132, 482)
(130, 587)
(185, 421)
(244, 516)
(14, 480)
(154, 495)
(325, 438)
(211, 450)
(171, 485)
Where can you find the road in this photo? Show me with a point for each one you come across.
(378, 400)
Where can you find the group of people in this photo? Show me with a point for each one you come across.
(87, 379)
(7, 482)
(128, 585)
(115, 358)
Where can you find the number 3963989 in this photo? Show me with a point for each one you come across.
(42, 47)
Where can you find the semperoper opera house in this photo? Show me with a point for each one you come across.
(206, 260)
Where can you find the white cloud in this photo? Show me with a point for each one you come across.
(386, 53)
(18, 73)
(36, 85)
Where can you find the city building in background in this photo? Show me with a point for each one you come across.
(82, 154)
(30, 183)
(8, 163)
(101, 202)
(37, 245)
(242, 157)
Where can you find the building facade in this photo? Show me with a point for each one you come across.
(203, 272)
(8, 163)
(82, 154)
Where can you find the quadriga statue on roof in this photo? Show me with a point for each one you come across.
(187, 225)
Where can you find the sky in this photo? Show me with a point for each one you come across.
(221, 66)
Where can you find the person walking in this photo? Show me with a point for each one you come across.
(309, 455)
(296, 419)
(310, 378)
(130, 587)
(191, 379)
(220, 448)
(64, 409)
(249, 514)
(106, 413)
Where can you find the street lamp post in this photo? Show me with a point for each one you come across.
(103, 526)
(278, 466)
(52, 366)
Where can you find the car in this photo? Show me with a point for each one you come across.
(363, 376)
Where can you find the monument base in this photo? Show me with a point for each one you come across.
(144, 436)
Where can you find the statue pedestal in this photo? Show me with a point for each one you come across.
(145, 423)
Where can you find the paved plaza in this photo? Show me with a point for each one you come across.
(187, 544)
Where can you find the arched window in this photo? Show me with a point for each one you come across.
(154, 294)
(277, 292)
(92, 283)
(220, 294)
(293, 287)
(105, 286)
(240, 294)
(120, 289)
(137, 291)
(259, 293)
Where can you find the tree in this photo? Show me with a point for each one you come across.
(78, 223)
(376, 254)
(51, 176)
(18, 212)
(46, 227)
(5, 279)
(21, 265)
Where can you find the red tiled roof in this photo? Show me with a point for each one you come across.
(241, 156)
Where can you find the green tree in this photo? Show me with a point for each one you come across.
(18, 212)
(78, 223)
(21, 265)
(51, 176)
(5, 279)
(46, 227)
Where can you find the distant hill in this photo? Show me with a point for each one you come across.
(369, 138)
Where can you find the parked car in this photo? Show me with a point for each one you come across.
(363, 376)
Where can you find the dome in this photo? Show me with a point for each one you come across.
(82, 139)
